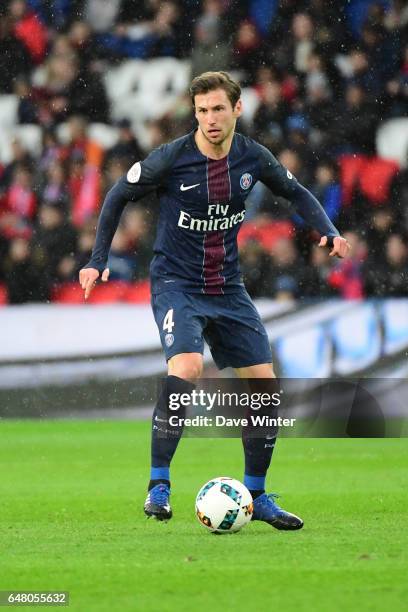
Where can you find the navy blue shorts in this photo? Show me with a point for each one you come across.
(230, 324)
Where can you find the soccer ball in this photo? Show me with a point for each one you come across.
(224, 505)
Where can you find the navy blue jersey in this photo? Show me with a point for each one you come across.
(202, 207)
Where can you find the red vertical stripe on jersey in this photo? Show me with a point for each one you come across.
(218, 180)
(214, 253)
(219, 191)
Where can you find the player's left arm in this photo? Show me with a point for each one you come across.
(283, 183)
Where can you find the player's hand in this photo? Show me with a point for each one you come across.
(340, 247)
(88, 278)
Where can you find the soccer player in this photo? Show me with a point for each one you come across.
(203, 180)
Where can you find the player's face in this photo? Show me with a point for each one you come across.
(215, 115)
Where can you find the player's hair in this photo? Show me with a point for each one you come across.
(208, 81)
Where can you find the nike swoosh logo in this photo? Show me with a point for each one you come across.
(187, 187)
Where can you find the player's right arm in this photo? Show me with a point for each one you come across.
(143, 177)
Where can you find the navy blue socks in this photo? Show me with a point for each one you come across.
(165, 437)
(259, 442)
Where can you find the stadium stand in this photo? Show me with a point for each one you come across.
(89, 87)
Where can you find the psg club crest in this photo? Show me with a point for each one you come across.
(169, 339)
(246, 180)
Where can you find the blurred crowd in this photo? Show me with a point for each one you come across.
(325, 76)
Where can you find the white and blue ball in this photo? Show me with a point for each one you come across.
(224, 505)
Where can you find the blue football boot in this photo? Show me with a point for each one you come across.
(266, 509)
(157, 503)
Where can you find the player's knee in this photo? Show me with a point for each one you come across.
(188, 366)
(191, 372)
(264, 370)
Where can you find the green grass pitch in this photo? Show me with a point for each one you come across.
(71, 519)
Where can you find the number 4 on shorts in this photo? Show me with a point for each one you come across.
(168, 322)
